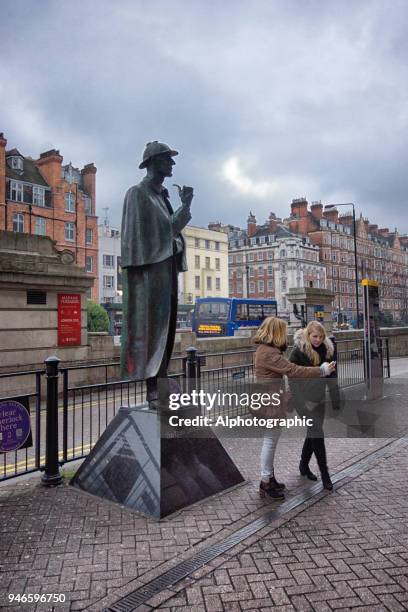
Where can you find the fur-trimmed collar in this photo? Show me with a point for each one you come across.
(300, 342)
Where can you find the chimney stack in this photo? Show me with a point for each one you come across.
(332, 214)
(299, 207)
(273, 224)
(251, 225)
(317, 210)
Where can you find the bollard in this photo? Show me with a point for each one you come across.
(191, 368)
(52, 475)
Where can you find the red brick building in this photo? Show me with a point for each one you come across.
(48, 198)
(381, 255)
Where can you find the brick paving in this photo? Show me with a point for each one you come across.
(64, 541)
(348, 551)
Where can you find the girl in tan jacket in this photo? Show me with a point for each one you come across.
(271, 365)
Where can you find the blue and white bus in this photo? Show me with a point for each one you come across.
(223, 316)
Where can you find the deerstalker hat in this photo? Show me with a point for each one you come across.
(155, 148)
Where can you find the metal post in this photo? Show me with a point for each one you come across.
(191, 368)
(51, 476)
(356, 266)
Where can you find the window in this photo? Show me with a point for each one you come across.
(197, 243)
(38, 195)
(197, 282)
(217, 246)
(270, 285)
(270, 269)
(251, 257)
(207, 244)
(88, 264)
(18, 222)
(69, 202)
(260, 270)
(251, 272)
(209, 283)
(260, 256)
(70, 231)
(217, 263)
(197, 261)
(87, 205)
(40, 226)
(16, 191)
(108, 261)
(261, 286)
(89, 236)
(207, 263)
(270, 254)
(283, 284)
(282, 253)
(251, 287)
(17, 163)
(108, 282)
(218, 284)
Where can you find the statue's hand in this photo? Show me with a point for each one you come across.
(186, 194)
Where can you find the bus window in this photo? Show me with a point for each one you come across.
(241, 312)
(269, 310)
(217, 311)
(255, 312)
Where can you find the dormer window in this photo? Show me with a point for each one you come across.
(16, 163)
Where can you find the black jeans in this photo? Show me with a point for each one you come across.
(314, 441)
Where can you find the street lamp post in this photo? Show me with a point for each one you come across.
(355, 254)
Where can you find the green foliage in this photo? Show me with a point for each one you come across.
(98, 320)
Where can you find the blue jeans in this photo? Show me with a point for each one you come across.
(269, 445)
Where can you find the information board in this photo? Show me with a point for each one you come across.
(69, 319)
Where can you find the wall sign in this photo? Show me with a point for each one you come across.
(69, 319)
(15, 426)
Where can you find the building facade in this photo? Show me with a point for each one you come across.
(47, 198)
(381, 255)
(110, 272)
(207, 262)
(266, 261)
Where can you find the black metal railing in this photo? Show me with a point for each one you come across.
(81, 401)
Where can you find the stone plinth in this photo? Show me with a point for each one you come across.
(317, 305)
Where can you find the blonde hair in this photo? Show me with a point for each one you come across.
(272, 331)
(313, 326)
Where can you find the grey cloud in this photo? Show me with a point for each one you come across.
(306, 90)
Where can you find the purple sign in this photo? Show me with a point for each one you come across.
(15, 426)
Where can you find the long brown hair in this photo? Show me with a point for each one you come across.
(272, 331)
(313, 326)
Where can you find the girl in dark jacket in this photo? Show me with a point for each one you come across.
(312, 348)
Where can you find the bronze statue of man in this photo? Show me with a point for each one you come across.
(153, 253)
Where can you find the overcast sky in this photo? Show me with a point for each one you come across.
(265, 100)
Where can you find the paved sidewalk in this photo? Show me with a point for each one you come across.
(64, 541)
(342, 550)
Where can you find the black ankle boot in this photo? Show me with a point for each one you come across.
(268, 489)
(305, 471)
(327, 483)
(276, 484)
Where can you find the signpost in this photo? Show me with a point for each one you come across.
(373, 363)
(69, 319)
